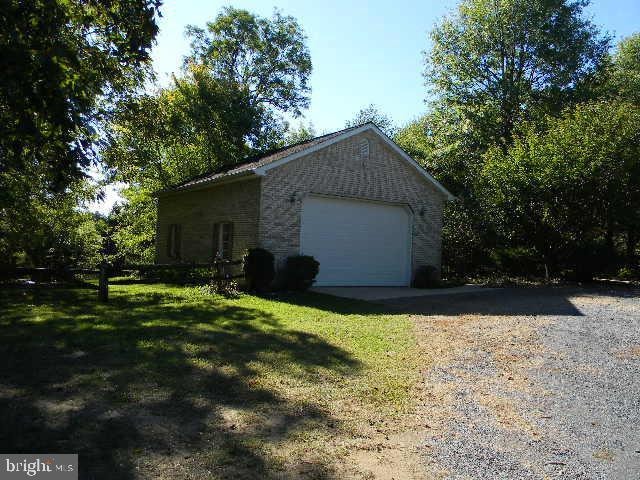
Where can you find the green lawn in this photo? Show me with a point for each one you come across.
(164, 382)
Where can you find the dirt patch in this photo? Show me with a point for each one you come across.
(629, 353)
(484, 359)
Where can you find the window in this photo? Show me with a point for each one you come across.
(223, 240)
(173, 242)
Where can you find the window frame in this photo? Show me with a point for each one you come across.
(174, 241)
(223, 247)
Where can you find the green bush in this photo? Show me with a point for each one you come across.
(180, 274)
(426, 276)
(300, 272)
(589, 259)
(626, 273)
(519, 261)
(259, 270)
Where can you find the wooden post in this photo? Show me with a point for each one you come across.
(103, 283)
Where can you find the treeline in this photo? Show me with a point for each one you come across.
(532, 122)
(534, 126)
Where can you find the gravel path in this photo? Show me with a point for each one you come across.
(535, 383)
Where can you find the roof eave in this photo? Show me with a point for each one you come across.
(228, 178)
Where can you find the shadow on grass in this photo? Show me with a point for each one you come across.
(331, 303)
(146, 378)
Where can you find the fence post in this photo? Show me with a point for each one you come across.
(103, 283)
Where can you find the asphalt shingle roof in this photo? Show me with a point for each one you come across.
(261, 160)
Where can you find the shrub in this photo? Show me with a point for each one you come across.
(589, 259)
(300, 272)
(224, 287)
(426, 276)
(626, 273)
(517, 261)
(180, 274)
(258, 269)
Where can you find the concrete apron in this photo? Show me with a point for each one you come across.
(387, 293)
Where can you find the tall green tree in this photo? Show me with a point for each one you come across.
(64, 61)
(245, 73)
(66, 64)
(498, 62)
(266, 57)
(494, 66)
(374, 115)
(567, 192)
(623, 79)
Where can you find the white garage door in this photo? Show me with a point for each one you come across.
(356, 242)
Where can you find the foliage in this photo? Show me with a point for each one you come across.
(132, 227)
(448, 146)
(226, 287)
(66, 65)
(300, 134)
(566, 191)
(179, 274)
(243, 75)
(266, 57)
(49, 230)
(259, 270)
(374, 115)
(66, 62)
(426, 276)
(626, 273)
(463, 245)
(517, 261)
(300, 272)
(623, 80)
(500, 62)
(528, 184)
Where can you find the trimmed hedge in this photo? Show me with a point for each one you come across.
(300, 272)
(426, 276)
(259, 270)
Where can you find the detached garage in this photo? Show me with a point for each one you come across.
(334, 231)
(352, 199)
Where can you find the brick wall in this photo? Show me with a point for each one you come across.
(196, 211)
(341, 170)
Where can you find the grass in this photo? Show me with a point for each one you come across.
(165, 382)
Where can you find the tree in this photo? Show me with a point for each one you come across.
(49, 230)
(499, 62)
(300, 134)
(193, 127)
(372, 114)
(64, 61)
(624, 72)
(494, 66)
(566, 193)
(244, 74)
(132, 227)
(267, 58)
(66, 65)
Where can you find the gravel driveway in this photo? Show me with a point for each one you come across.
(531, 383)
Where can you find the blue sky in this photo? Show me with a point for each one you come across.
(363, 52)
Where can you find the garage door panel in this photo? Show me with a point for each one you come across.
(356, 242)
